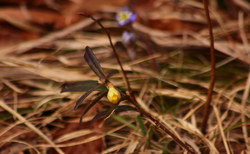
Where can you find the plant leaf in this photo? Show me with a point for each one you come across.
(123, 108)
(81, 99)
(123, 120)
(141, 125)
(93, 63)
(104, 115)
(92, 103)
(79, 86)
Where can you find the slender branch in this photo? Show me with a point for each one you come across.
(160, 125)
(114, 50)
(212, 73)
(131, 97)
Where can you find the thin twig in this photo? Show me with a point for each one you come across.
(131, 97)
(160, 125)
(212, 73)
(114, 50)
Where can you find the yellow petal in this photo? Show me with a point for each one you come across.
(113, 94)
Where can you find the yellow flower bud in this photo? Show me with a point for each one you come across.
(113, 94)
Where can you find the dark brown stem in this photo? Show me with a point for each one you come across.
(114, 50)
(132, 99)
(212, 74)
(159, 124)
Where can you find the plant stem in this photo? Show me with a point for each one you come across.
(160, 125)
(131, 97)
(212, 74)
(115, 52)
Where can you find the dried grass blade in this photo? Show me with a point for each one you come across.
(30, 125)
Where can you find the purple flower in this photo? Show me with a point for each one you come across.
(128, 37)
(125, 17)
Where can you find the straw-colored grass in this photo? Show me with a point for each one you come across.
(31, 73)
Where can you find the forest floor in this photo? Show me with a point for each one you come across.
(167, 62)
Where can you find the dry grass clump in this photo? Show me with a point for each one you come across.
(170, 83)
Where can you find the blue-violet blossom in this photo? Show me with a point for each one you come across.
(125, 17)
(128, 37)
